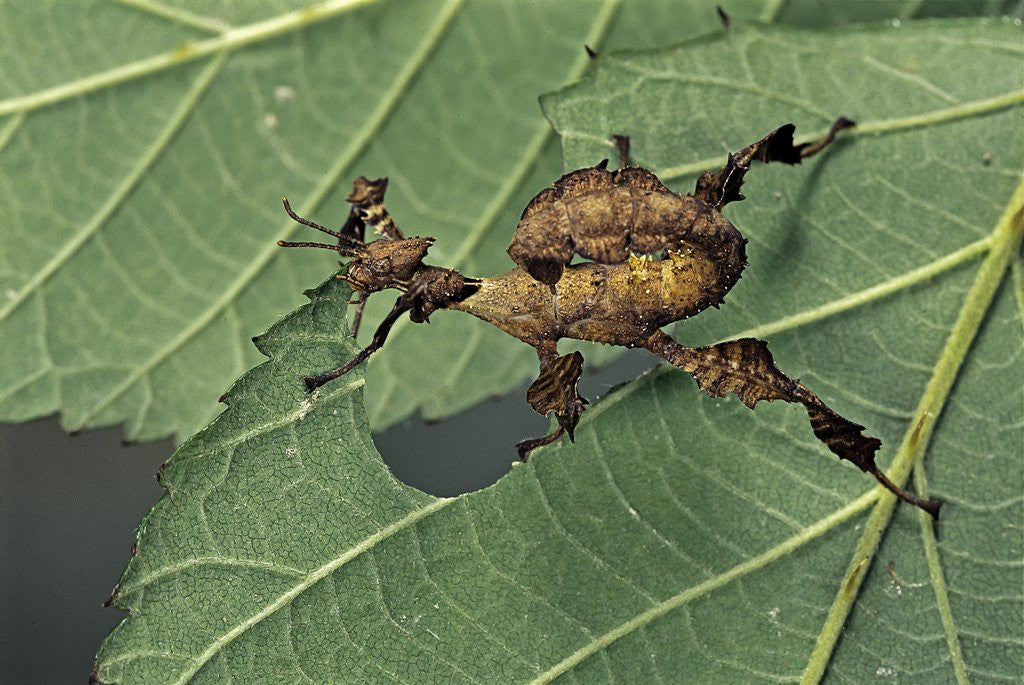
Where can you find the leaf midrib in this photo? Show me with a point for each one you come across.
(122, 191)
(1005, 238)
(811, 532)
(309, 580)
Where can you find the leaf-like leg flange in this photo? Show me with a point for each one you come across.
(555, 390)
(721, 187)
(367, 198)
(745, 367)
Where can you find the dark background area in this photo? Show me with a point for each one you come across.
(69, 506)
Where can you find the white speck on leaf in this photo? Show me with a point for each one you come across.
(284, 93)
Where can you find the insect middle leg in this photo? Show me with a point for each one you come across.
(555, 391)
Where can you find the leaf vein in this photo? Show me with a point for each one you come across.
(123, 189)
(228, 41)
(789, 545)
(259, 262)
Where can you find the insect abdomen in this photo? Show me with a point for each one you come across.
(607, 216)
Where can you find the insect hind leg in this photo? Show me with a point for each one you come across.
(555, 390)
(721, 187)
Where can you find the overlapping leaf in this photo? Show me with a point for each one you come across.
(680, 534)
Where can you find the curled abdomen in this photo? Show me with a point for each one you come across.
(607, 216)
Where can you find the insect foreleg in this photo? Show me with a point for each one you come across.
(402, 305)
(721, 187)
(357, 316)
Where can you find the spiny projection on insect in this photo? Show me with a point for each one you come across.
(690, 257)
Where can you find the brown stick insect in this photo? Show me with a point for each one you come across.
(691, 256)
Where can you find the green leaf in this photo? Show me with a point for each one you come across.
(145, 147)
(679, 534)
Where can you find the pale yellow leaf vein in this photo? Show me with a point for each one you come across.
(726, 84)
(939, 116)
(915, 79)
(1018, 287)
(483, 631)
(1005, 241)
(228, 41)
(178, 15)
(938, 581)
(410, 637)
(10, 128)
(762, 560)
(145, 654)
(308, 581)
(207, 561)
(511, 580)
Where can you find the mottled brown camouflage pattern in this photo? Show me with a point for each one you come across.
(620, 297)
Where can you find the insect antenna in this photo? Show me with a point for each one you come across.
(343, 238)
(343, 250)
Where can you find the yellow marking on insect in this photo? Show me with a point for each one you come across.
(638, 267)
(680, 260)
